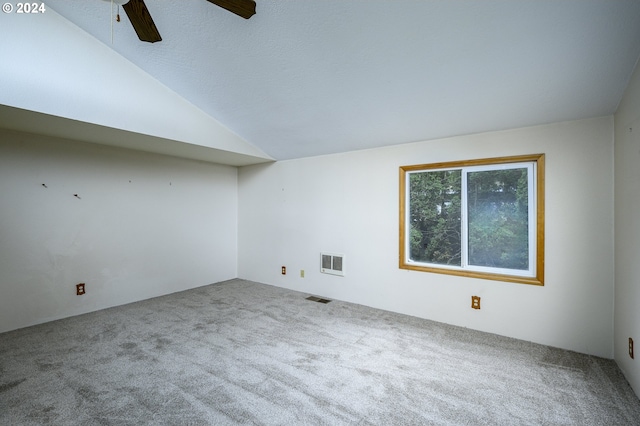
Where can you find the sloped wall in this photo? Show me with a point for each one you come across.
(53, 67)
(142, 225)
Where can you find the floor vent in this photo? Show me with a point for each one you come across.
(318, 299)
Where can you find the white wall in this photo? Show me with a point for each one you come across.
(144, 225)
(627, 233)
(290, 211)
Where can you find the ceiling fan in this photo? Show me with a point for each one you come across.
(143, 24)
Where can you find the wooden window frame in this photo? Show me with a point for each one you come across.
(538, 279)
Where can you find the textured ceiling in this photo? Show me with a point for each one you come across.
(303, 78)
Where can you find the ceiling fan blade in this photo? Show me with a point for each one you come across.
(141, 20)
(244, 8)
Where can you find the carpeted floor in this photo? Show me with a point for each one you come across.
(239, 352)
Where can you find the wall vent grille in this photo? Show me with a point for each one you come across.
(332, 263)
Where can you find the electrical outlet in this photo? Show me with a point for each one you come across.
(80, 289)
(631, 347)
(301, 273)
(284, 270)
(475, 302)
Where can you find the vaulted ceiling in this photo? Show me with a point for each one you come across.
(303, 78)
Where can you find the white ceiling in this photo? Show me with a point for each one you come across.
(304, 78)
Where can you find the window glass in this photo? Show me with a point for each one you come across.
(498, 218)
(435, 217)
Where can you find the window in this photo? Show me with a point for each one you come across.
(478, 218)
